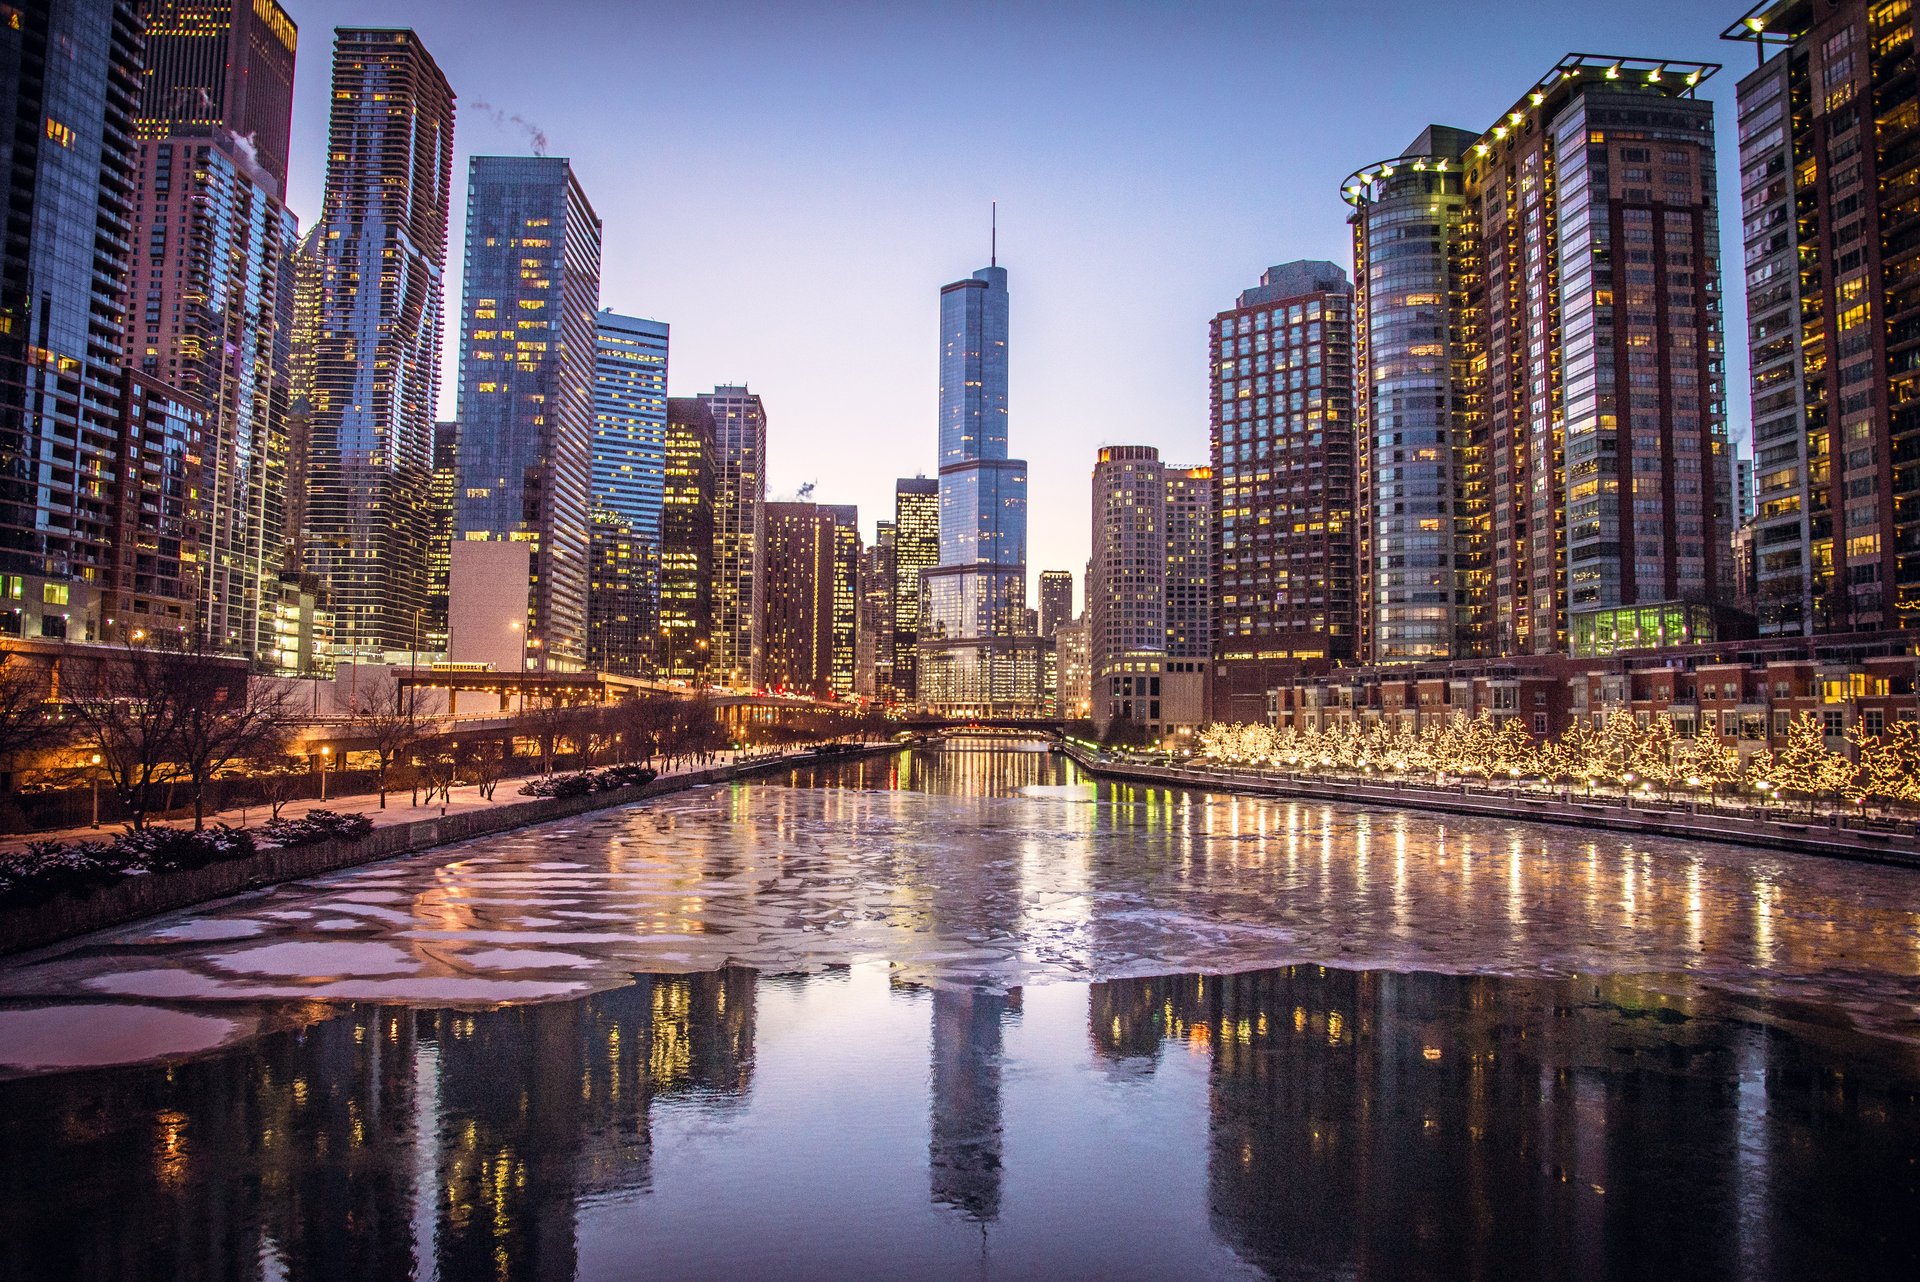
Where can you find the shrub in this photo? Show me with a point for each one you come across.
(49, 868)
(576, 785)
(175, 849)
(316, 826)
(624, 776)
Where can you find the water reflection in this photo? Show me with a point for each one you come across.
(1350, 1125)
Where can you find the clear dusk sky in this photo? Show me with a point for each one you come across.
(789, 184)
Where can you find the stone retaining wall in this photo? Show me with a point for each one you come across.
(131, 898)
(1816, 836)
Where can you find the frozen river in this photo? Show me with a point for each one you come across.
(962, 1013)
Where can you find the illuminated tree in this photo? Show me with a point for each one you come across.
(1619, 746)
(1514, 752)
(1656, 755)
(1806, 765)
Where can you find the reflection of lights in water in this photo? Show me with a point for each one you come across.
(170, 1147)
(1763, 895)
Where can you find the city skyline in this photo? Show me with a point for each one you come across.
(890, 224)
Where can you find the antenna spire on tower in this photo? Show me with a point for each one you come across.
(993, 236)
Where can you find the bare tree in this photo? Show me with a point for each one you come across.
(124, 705)
(547, 725)
(485, 762)
(218, 723)
(433, 764)
(277, 779)
(386, 715)
(25, 727)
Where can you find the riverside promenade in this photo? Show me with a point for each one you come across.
(399, 830)
(1858, 837)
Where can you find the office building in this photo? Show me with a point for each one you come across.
(812, 571)
(1148, 592)
(382, 238)
(622, 577)
(1283, 458)
(916, 548)
(975, 652)
(153, 586)
(528, 348)
(66, 182)
(1056, 600)
(630, 419)
(873, 638)
(1073, 671)
(210, 302)
(683, 638)
(1825, 172)
(1421, 536)
(441, 492)
(737, 424)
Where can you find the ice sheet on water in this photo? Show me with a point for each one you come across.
(207, 930)
(332, 957)
(97, 1034)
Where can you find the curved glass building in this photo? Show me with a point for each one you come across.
(1422, 461)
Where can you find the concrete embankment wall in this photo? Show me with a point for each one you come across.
(1815, 836)
(131, 898)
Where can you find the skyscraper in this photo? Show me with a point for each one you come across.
(1825, 167)
(441, 495)
(1421, 447)
(972, 656)
(623, 574)
(212, 285)
(630, 420)
(383, 242)
(527, 354)
(1599, 293)
(1056, 599)
(738, 423)
(916, 548)
(873, 639)
(69, 83)
(683, 644)
(1148, 590)
(1283, 459)
(812, 567)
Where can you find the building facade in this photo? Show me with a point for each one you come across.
(528, 346)
(623, 576)
(1826, 174)
(1599, 293)
(1283, 459)
(975, 651)
(812, 555)
(916, 549)
(382, 238)
(873, 638)
(736, 421)
(1148, 592)
(683, 641)
(211, 290)
(1422, 531)
(630, 420)
(69, 82)
(1056, 600)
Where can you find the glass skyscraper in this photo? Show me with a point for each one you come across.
(630, 420)
(528, 344)
(973, 604)
(211, 303)
(383, 249)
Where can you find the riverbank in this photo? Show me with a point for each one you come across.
(404, 833)
(1811, 835)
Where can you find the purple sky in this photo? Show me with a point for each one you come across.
(790, 185)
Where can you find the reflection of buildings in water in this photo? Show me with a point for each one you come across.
(963, 1155)
(300, 1147)
(1398, 1125)
(542, 1105)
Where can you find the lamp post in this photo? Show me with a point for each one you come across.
(95, 763)
(326, 759)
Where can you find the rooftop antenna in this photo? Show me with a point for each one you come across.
(993, 236)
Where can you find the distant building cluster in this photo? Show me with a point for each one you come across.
(1490, 470)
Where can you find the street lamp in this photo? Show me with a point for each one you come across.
(95, 763)
(326, 754)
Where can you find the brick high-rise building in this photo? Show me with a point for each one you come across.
(211, 301)
(1827, 163)
(1283, 554)
(1544, 450)
(812, 572)
(528, 346)
(382, 238)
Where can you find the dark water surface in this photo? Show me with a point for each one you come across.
(949, 1099)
